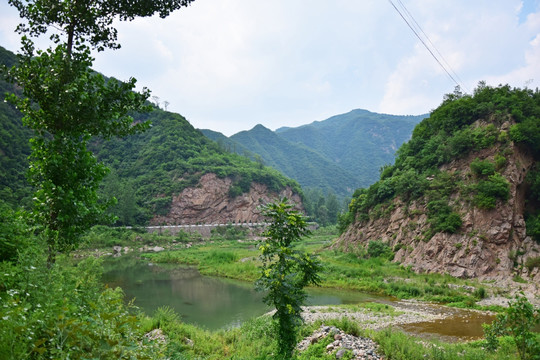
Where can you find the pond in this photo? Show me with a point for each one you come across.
(216, 303)
(209, 302)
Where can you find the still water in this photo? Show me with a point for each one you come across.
(209, 302)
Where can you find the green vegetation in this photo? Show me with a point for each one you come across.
(310, 168)
(336, 155)
(65, 104)
(353, 270)
(14, 146)
(517, 321)
(324, 210)
(285, 272)
(64, 311)
(169, 157)
(460, 125)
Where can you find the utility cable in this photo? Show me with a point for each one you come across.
(431, 43)
(424, 43)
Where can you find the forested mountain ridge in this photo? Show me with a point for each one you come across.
(307, 166)
(148, 169)
(360, 141)
(172, 156)
(14, 146)
(463, 196)
(336, 155)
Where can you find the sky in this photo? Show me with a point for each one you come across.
(228, 65)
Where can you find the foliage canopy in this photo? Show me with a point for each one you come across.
(65, 103)
(452, 132)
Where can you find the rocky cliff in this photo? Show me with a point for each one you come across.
(209, 203)
(490, 244)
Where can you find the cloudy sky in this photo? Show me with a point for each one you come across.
(228, 65)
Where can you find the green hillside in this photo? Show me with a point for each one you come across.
(171, 156)
(14, 146)
(308, 167)
(227, 144)
(461, 125)
(337, 155)
(359, 141)
(146, 169)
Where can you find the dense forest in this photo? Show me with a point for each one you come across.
(461, 125)
(14, 146)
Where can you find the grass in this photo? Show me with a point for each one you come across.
(255, 339)
(347, 271)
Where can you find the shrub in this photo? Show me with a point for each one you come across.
(482, 167)
(379, 248)
(500, 161)
(488, 191)
(13, 232)
(442, 218)
(518, 322)
(532, 262)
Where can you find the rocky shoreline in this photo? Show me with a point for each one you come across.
(361, 348)
(397, 314)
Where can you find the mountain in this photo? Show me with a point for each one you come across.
(305, 165)
(359, 141)
(172, 157)
(14, 146)
(463, 195)
(153, 172)
(336, 155)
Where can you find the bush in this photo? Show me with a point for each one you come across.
(532, 262)
(442, 218)
(518, 322)
(482, 167)
(378, 248)
(64, 312)
(14, 232)
(488, 191)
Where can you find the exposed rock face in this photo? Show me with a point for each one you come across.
(491, 244)
(209, 203)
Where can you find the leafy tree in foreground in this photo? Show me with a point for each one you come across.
(65, 103)
(285, 272)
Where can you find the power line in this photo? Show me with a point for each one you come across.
(432, 44)
(424, 43)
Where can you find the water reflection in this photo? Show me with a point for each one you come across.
(215, 303)
(206, 301)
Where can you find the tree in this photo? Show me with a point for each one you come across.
(65, 103)
(285, 272)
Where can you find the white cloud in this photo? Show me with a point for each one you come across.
(228, 65)
(483, 40)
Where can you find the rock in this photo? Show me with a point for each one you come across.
(480, 248)
(156, 335)
(209, 203)
(157, 249)
(343, 343)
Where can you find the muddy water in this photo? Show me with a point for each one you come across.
(457, 324)
(216, 303)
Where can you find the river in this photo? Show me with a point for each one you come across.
(216, 303)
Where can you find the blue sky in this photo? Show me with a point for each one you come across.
(228, 65)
